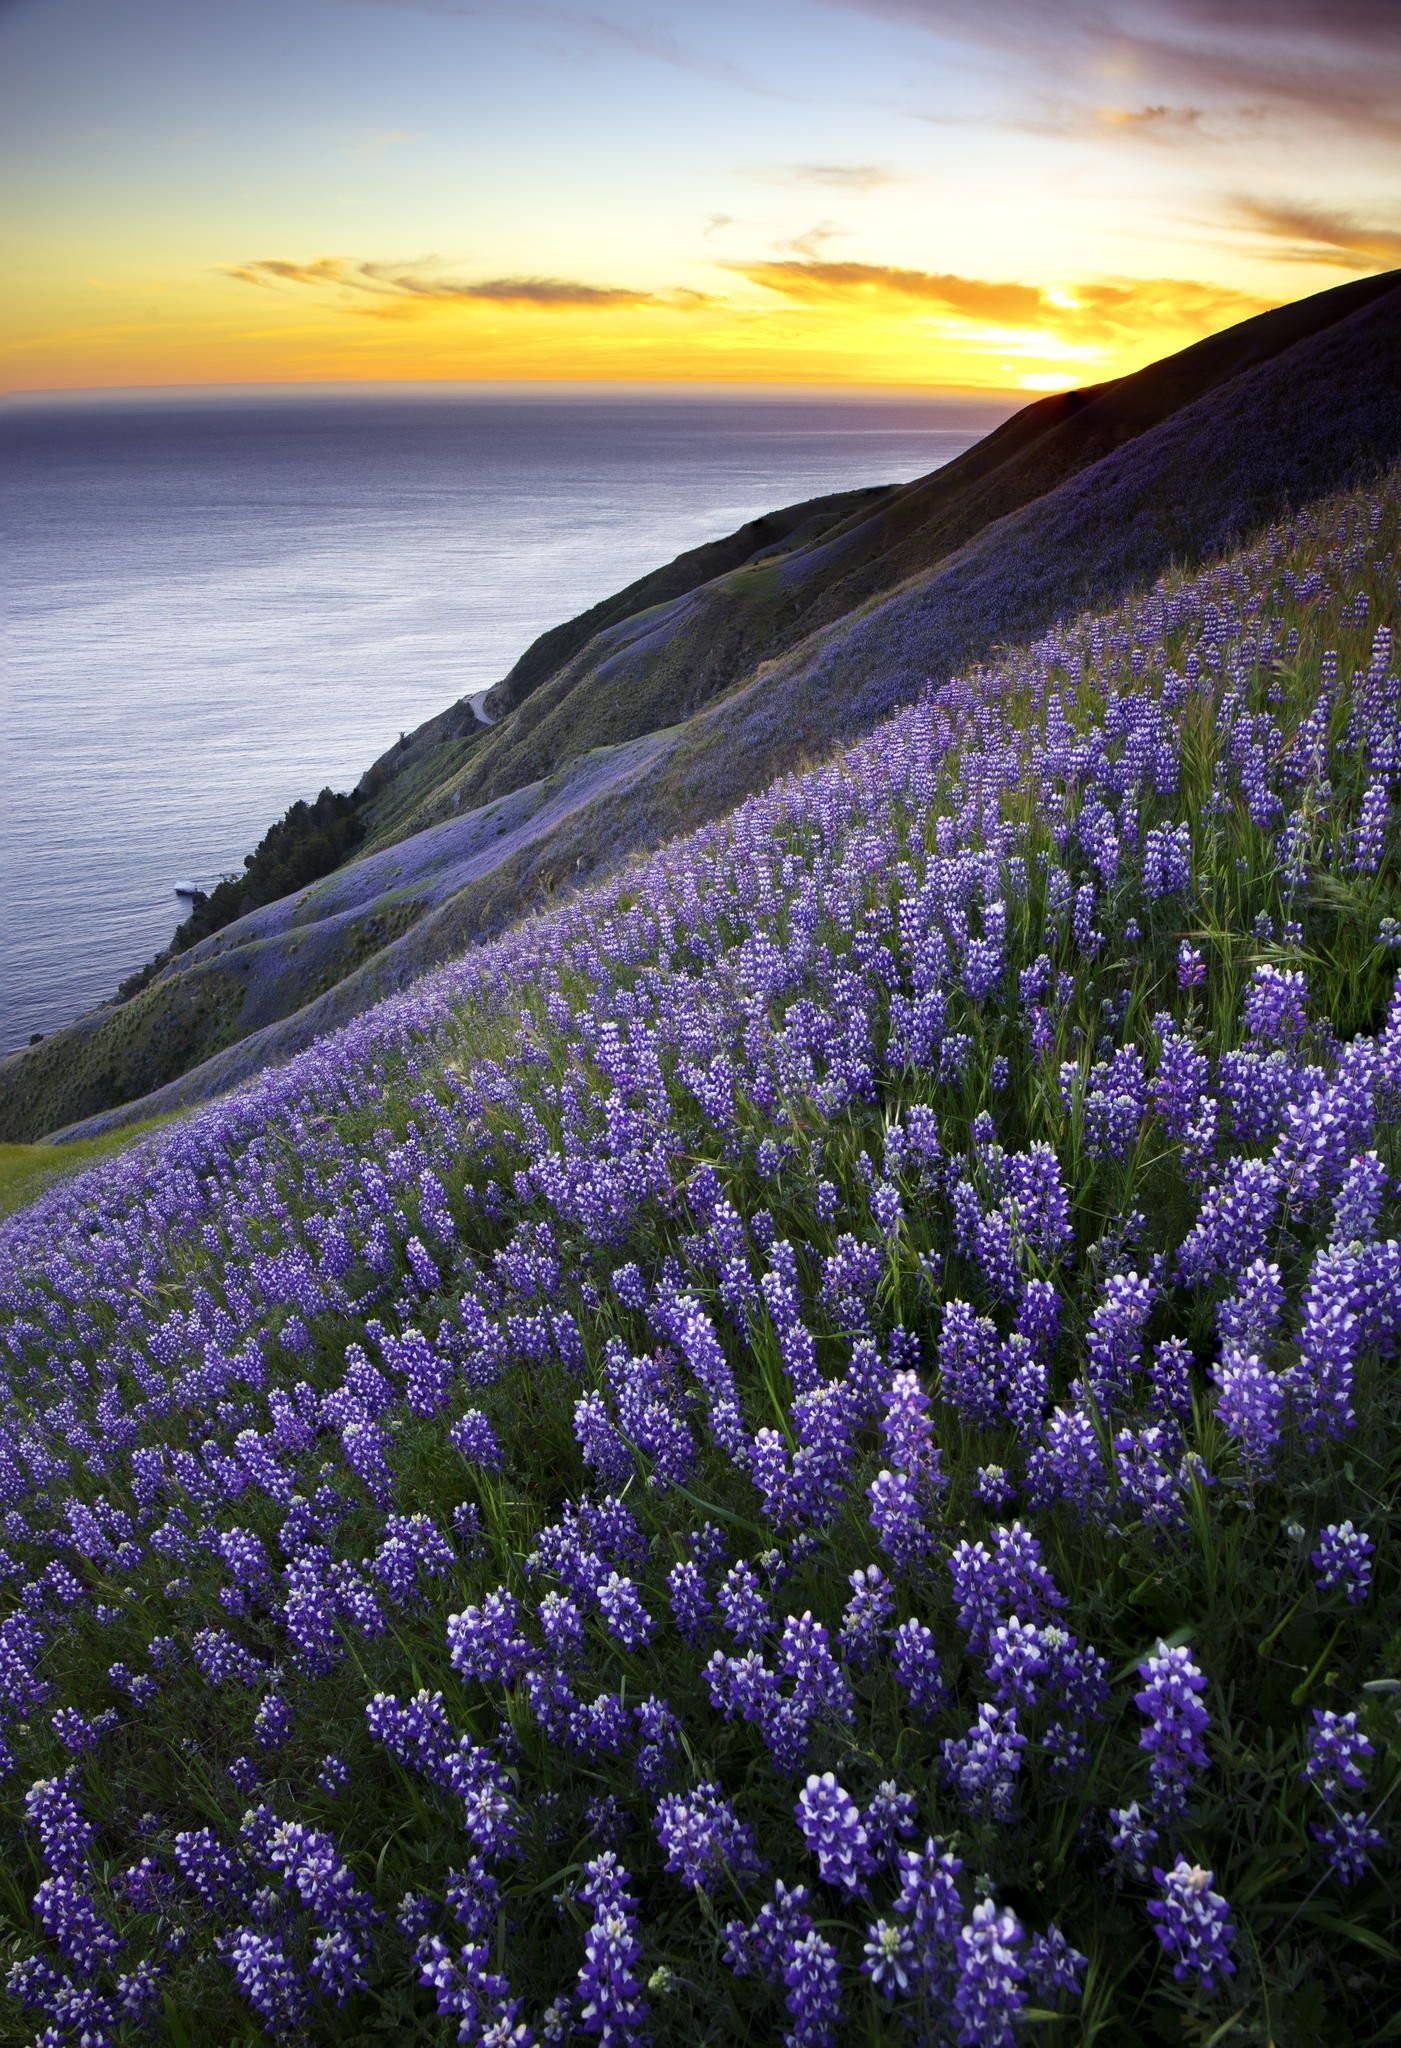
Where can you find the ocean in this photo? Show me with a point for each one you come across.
(218, 604)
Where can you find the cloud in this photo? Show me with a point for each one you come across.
(845, 177)
(814, 281)
(810, 244)
(1312, 234)
(714, 222)
(1160, 122)
(508, 291)
(1101, 311)
(402, 288)
(1336, 62)
(1110, 307)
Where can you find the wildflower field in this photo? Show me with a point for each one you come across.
(803, 1449)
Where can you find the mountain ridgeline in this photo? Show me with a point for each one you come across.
(665, 705)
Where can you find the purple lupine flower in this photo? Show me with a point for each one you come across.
(928, 1899)
(474, 1438)
(485, 1642)
(1053, 1966)
(464, 1986)
(69, 1915)
(1369, 834)
(889, 1958)
(1017, 1662)
(1194, 1924)
(623, 1613)
(690, 1602)
(897, 1516)
(704, 1837)
(869, 1609)
(835, 1833)
(982, 1766)
(1250, 1401)
(1067, 1464)
(609, 1996)
(776, 1926)
(52, 1810)
(1114, 1342)
(1167, 860)
(917, 1667)
(968, 1356)
(820, 1686)
(1344, 1559)
(473, 1897)
(1168, 1375)
(1276, 1005)
(991, 1988)
(562, 1626)
(267, 1978)
(889, 1817)
(1132, 1837)
(1191, 967)
(812, 1991)
(906, 1430)
(1349, 1841)
(1009, 1578)
(333, 1776)
(744, 1604)
(659, 1734)
(1151, 1474)
(1358, 1202)
(1337, 1753)
(1176, 1721)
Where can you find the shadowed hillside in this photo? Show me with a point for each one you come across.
(665, 705)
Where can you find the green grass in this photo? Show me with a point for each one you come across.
(26, 1170)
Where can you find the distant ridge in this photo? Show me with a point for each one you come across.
(666, 704)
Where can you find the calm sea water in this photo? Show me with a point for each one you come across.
(217, 606)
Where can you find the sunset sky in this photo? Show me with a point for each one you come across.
(985, 194)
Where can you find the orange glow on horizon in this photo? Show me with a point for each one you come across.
(874, 329)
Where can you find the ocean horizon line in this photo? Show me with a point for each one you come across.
(595, 390)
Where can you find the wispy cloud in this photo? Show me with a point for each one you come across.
(1161, 123)
(810, 244)
(815, 280)
(841, 177)
(1108, 308)
(270, 270)
(409, 287)
(1337, 63)
(1102, 310)
(1314, 234)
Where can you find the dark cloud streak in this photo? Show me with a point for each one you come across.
(406, 286)
(1314, 234)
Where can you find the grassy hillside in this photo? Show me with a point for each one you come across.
(26, 1170)
(741, 660)
(802, 1447)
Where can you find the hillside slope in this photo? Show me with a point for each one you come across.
(806, 1446)
(816, 623)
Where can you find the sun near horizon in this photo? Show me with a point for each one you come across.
(918, 194)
